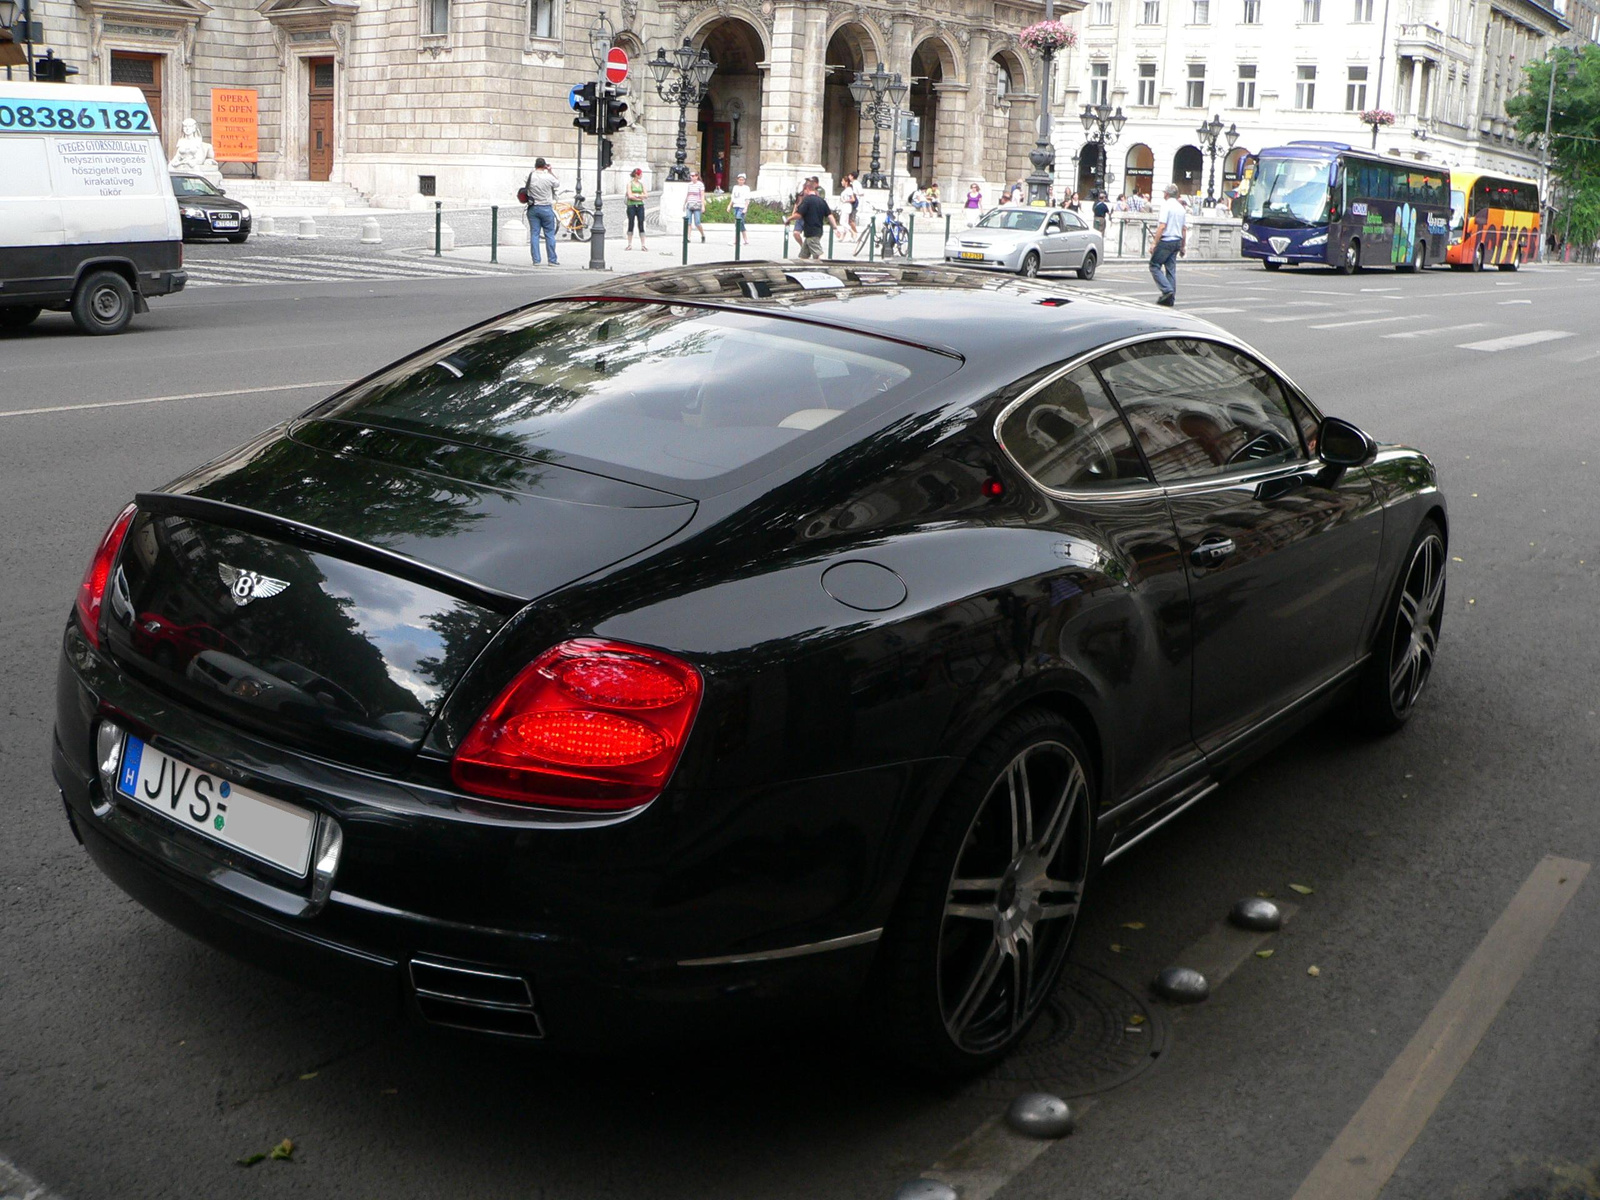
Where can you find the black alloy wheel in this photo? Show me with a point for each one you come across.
(1402, 656)
(103, 303)
(1030, 265)
(19, 317)
(1090, 260)
(989, 908)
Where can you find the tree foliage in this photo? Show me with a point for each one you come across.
(1574, 129)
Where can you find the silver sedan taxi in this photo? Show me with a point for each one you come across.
(1028, 240)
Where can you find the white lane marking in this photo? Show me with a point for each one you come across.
(1368, 1150)
(1304, 304)
(366, 266)
(17, 1184)
(1516, 302)
(982, 1163)
(1373, 320)
(1395, 287)
(1292, 317)
(1516, 340)
(1209, 312)
(1417, 333)
(280, 387)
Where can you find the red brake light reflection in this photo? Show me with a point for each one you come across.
(92, 591)
(589, 724)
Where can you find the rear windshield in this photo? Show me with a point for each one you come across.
(675, 391)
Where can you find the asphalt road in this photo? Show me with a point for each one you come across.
(134, 1062)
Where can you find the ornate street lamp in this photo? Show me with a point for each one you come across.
(1211, 134)
(879, 94)
(682, 77)
(1045, 38)
(1101, 128)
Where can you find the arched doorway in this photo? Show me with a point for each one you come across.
(730, 116)
(844, 131)
(931, 65)
(1140, 170)
(1009, 133)
(1188, 168)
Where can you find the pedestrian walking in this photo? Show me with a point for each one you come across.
(1102, 212)
(694, 204)
(813, 213)
(974, 204)
(719, 171)
(1168, 246)
(635, 207)
(1073, 202)
(850, 198)
(541, 190)
(739, 202)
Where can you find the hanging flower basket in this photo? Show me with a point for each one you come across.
(1046, 37)
(1377, 116)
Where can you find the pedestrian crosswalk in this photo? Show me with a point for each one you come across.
(328, 268)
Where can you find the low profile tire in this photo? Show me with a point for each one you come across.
(1350, 264)
(990, 905)
(1030, 265)
(1090, 261)
(1402, 655)
(19, 318)
(1271, 266)
(102, 303)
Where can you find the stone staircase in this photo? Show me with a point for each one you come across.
(270, 195)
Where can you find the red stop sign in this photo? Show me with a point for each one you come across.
(616, 65)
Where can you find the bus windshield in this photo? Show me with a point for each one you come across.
(1289, 193)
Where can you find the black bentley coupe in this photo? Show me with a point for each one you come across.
(732, 640)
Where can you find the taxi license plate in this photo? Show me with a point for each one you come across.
(977, 254)
(257, 825)
(1277, 258)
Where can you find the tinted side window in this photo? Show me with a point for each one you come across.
(1073, 220)
(1200, 408)
(1068, 435)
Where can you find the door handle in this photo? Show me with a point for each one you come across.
(1211, 552)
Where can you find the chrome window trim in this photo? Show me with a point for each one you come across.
(838, 943)
(1244, 476)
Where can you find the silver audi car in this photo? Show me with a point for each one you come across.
(1028, 240)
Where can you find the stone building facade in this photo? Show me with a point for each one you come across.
(1280, 70)
(408, 100)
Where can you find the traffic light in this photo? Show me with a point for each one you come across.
(51, 69)
(583, 103)
(615, 106)
(605, 153)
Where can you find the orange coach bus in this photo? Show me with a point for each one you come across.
(1493, 221)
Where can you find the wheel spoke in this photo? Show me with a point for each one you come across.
(978, 912)
(982, 981)
(1408, 608)
(1021, 982)
(1050, 912)
(1061, 818)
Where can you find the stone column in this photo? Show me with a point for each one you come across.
(979, 110)
(951, 137)
(791, 115)
(1416, 89)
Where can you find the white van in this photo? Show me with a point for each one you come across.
(88, 223)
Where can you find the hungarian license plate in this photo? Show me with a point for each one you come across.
(225, 221)
(977, 254)
(264, 828)
(1277, 258)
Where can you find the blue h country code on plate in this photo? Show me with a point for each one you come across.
(63, 116)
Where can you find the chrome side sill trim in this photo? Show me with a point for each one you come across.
(838, 943)
(1144, 833)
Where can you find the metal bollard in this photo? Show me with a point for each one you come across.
(785, 239)
(830, 241)
(735, 243)
(911, 236)
(686, 239)
(494, 233)
(438, 228)
(872, 238)
(947, 227)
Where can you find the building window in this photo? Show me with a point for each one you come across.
(1246, 95)
(1002, 80)
(1100, 83)
(1310, 12)
(1147, 85)
(1202, 12)
(1252, 12)
(1355, 91)
(1152, 12)
(1363, 10)
(542, 19)
(436, 17)
(1194, 95)
(1305, 87)
(1100, 14)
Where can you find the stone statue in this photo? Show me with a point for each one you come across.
(193, 156)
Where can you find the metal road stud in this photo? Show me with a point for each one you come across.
(925, 1189)
(1257, 914)
(1181, 985)
(1040, 1115)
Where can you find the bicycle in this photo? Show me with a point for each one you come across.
(893, 237)
(577, 223)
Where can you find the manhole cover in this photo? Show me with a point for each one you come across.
(1086, 1040)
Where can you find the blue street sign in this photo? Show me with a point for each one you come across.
(572, 96)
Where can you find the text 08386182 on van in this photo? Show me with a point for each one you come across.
(88, 222)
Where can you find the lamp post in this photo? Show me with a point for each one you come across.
(1102, 127)
(682, 79)
(879, 94)
(599, 47)
(1210, 134)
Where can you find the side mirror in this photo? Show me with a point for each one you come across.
(1341, 444)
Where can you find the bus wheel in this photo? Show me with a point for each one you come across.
(1477, 258)
(1271, 266)
(1351, 262)
(1510, 266)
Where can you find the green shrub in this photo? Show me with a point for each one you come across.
(719, 211)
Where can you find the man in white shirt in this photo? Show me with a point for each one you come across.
(739, 202)
(1168, 245)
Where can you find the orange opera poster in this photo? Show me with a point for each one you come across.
(234, 116)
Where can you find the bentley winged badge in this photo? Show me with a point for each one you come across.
(245, 586)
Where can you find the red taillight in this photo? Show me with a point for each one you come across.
(93, 588)
(590, 724)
